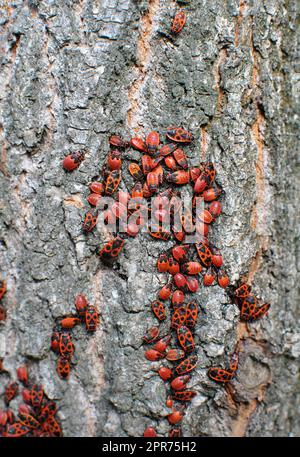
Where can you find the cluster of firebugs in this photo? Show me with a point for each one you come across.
(36, 415)
(61, 339)
(160, 165)
(160, 173)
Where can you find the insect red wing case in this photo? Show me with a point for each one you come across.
(178, 22)
(159, 310)
(187, 365)
(185, 338)
(2, 288)
(179, 135)
(91, 318)
(220, 375)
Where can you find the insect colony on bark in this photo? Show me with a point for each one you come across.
(158, 177)
(161, 165)
(61, 339)
(36, 415)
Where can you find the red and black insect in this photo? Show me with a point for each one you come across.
(138, 144)
(204, 253)
(159, 309)
(185, 339)
(175, 354)
(187, 365)
(118, 142)
(37, 395)
(187, 221)
(49, 410)
(171, 163)
(91, 318)
(180, 253)
(223, 279)
(179, 135)
(153, 355)
(16, 430)
(150, 432)
(147, 164)
(178, 22)
(179, 177)
(206, 177)
(152, 142)
(163, 263)
(66, 346)
(177, 298)
(216, 258)
(174, 267)
(242, 291)
(180, 281)
(73, 160)
(180, 158)
(135, 171)
(224, 376)
(29, 421)
(90, 220)
(184, 395)
(175, 432)
(111, 249)
(53, 427)
(153, 182)
(112, 182)
(159, 173)
(159, 233)
(260, 311)
(165, 373)
(167, 149)
(96, 187)
(26, 395)
(212, 193)
(191, 314)
(137, 193)
(69, 322)
(180, 382)
(94, 199)
(162, 344)
(114, 160)
(220, 375)
(175, 417)
(10, 392)
(81, 304)
(169, 402)
(215, 209)
(2, 288)
(191, 268)
(63, 367)
(166, 291)
(205, 217)
(22, 375)
(179, 317)
(209, 277)
(151, 335)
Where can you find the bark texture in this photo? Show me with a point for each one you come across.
(74, 72)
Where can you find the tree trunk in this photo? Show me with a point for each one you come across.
(72, 73)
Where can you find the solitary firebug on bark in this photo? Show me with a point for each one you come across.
(178, 22)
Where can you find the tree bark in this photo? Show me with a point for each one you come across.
(74, 72)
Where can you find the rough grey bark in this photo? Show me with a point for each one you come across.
(73, 72)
